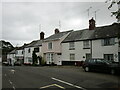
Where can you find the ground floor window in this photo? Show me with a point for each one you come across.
(88, 56)
(108, 57)
(72, 56)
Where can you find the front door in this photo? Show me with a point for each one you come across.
(50, 58)
(88, 56)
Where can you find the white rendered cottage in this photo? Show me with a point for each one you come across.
(33, 46)
(95, 42)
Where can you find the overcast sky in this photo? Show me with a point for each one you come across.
(21, 20)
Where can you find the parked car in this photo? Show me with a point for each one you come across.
(5, 63)
(17, 63)
(98, 64)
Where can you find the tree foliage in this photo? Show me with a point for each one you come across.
(34, 58)
(117, 12)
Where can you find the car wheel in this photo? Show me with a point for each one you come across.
(112, 71)
(87, 69)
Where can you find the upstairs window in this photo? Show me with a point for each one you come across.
(108, 41)
(71, 46)
(29, 50)
(86, 44)
(36, 49)
(50, 45)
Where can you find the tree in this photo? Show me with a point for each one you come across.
(5, 48)
(34, 58)
(117, 12)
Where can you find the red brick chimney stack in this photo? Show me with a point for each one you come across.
(91, 24)
(42, 35)
(57, 31)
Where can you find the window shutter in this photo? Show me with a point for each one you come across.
(102, 42)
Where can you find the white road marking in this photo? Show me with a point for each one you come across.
(14, 87)
(59, 86)
(52, 85)
(13, 71)
(68, 83)
(10, 82)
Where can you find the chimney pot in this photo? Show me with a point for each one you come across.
(91, 24)
(57, 31)
(42, 35)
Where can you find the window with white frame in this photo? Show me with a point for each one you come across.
(108, 57)
(86, 44)
(108, 41)
(71, 46)
(50, 45)
(72, 56)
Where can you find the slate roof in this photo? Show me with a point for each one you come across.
(13, 51)
(107, 31)
(99, 33)
(57, 36)
(34, 43)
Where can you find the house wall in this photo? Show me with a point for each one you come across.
(28, 56)
(55, 50)
(0, 59)
(19, 53)
(39, 53)
(12, 58)
(79, 51)
(98, 50)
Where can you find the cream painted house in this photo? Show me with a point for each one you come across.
(51, 47)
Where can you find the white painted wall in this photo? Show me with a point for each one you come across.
(12, 57)
(0, 59)
(19, 53)
(28, 56)
(79, 51)
(98, 50)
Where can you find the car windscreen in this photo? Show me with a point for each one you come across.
(107, 61)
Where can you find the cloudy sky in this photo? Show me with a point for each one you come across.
(23, 21)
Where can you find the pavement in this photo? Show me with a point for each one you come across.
(56, 77)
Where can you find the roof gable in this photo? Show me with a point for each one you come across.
(57, 36)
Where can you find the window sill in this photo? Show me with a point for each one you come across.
(86, 48)
(71, 48)
(109, 45)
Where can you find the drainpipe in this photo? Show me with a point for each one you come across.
(91, 47)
